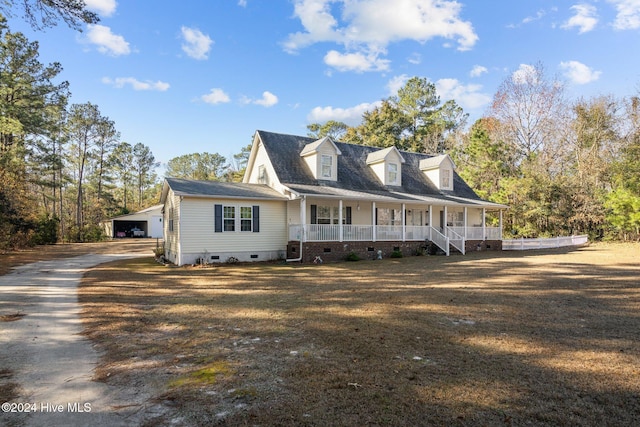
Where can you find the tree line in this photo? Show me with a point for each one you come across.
(563, 166)
(63, 167)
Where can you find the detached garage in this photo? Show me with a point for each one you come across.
(146, 223)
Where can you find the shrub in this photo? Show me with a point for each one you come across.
(396, 254)
(352, 256)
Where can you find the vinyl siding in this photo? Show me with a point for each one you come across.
(262, 159)
(198, 234)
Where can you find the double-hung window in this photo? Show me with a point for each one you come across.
(246, 218)
(393, 173)
(229, 218)
(326, 166)
(446, 179)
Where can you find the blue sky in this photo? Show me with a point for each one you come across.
(203, 75)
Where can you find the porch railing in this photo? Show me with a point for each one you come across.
(440, 240)
(456, 240)
(452, 235)
(476, 233)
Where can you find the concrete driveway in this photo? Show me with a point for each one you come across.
(49, 359)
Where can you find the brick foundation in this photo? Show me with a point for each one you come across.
(338, 251)
(483, 245)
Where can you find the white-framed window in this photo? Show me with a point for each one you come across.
(326, 166)
(387, 216)
(445, 178)
(229, 218)
(262, 174)
(171, 219)
(246, 218)
(392, 173)
(323, 215)
(234, 218)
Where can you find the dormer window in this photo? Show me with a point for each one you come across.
(393, 173)
(445, 178)
(439, 170)
(322, 158)
(326, 166)
(387, 165)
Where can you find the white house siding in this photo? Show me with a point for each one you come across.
(262, 159)
(199, 239)
(171, 238)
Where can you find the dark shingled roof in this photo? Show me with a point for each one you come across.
(354, 175)
(187, 187)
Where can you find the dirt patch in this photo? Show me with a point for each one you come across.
(11, 317)
(529, 338)
(43, 253)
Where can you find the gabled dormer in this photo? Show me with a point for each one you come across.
(387, 165)
(322, 158)
(439, 170)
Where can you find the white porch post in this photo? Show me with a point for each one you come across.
(404, 223)
(430, 221)
(500, 224)
(444, 219)
(484, 223)
(373, 220)
(303, 218)
(465, 223)
(340, 229)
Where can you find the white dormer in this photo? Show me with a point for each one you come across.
(387, 165)
(322, 158)
(439, 170)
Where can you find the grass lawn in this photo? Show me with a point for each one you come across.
(508, 338)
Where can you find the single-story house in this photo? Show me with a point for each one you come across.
(306, 199)
(145, 223)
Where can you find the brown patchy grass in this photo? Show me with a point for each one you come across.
(532, 338)
(16, 258)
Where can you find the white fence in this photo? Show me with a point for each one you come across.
(554, 242)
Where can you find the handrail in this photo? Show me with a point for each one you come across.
(456, 240)
(440, 240)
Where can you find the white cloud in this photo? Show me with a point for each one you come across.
(478, 70)
(351, 116)
(136, 84)
(216, 96)
(394, 85)
(358, 62)
(196, 44)
(367, 27)
(268, 100)
(467, 96)
(585, 18)
(106, 41)
(628, 16)
(579, 73)
(102, 7)
(242, 3)
(524, 74)
(539, 15)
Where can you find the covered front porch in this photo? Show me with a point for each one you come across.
(447, 225)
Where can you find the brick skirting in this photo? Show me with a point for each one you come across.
(338, 251)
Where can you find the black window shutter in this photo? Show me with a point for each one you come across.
(256, 219)
(218, 219)
(348, 215)
(314, 214)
